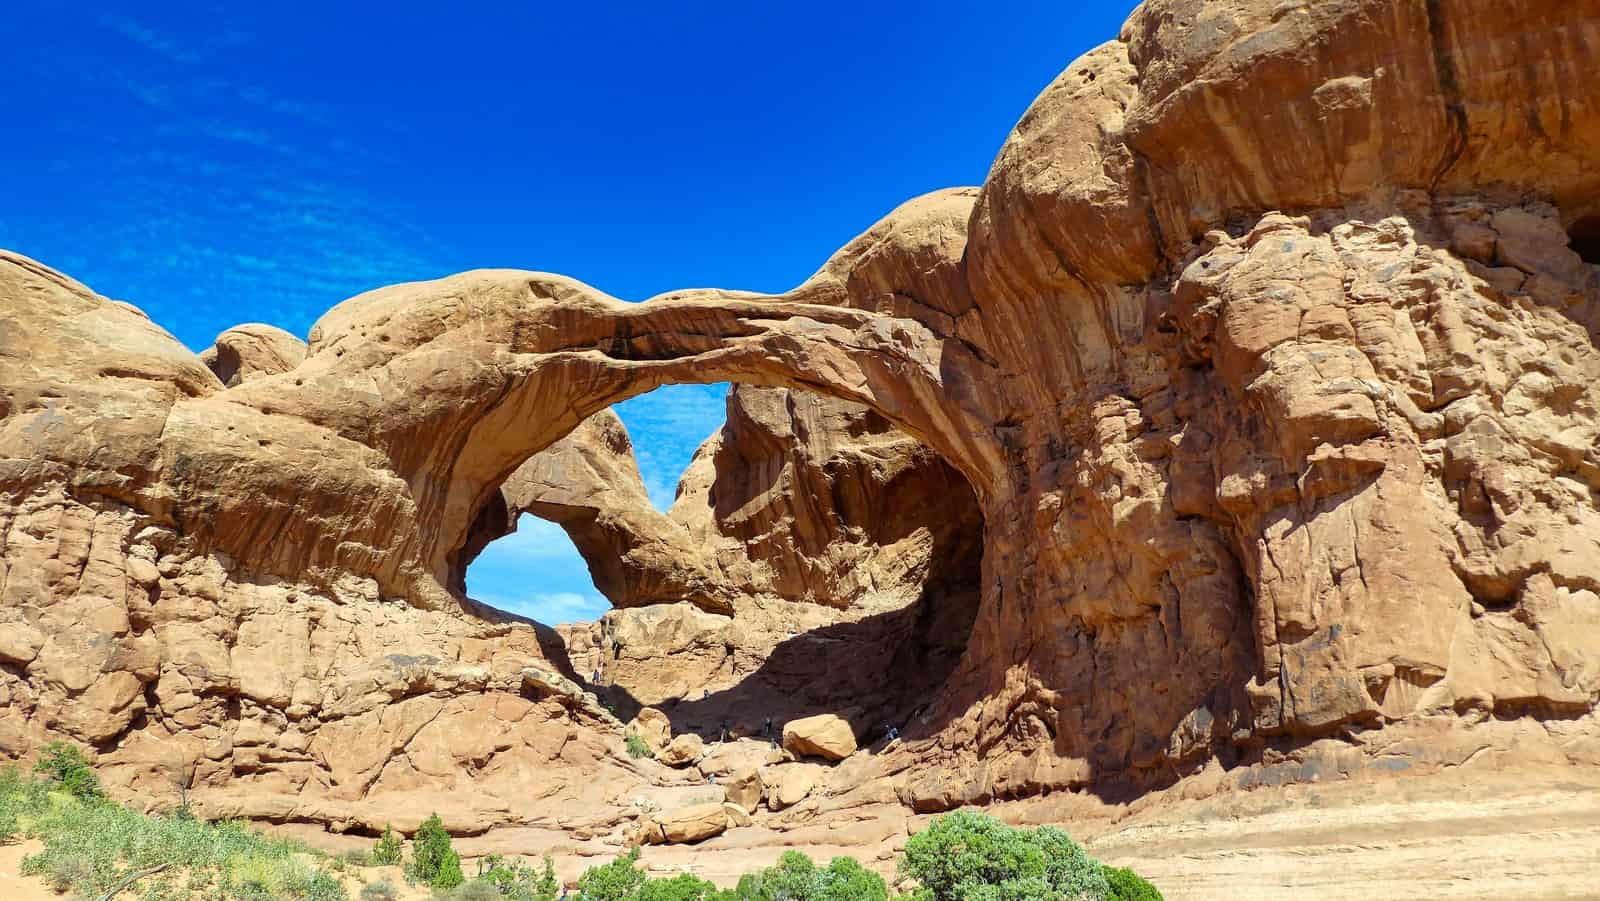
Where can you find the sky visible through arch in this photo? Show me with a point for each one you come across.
(217, 163)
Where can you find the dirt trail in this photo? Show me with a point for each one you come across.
(13, 885)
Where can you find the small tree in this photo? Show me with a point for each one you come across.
(796, 878)
(433, 861)
(964, 855)
(65, 765)
(548, 887)
(386, 853)
(618, 880)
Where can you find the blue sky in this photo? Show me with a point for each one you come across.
(222, 163)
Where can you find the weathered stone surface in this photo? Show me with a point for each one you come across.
(687, 824)
(743, 787)
(788, 784)
(252, 350)
(682, 751)
(1250, 481)
(824, 735)
(652, 727)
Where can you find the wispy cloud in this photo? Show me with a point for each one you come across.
(667, 426)
(536, 572)
(228, 201)
(535, 541)
(151, 40)
(552, 609)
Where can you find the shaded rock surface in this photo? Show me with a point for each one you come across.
(1267, 351)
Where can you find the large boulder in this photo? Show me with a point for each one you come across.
(682, 751)
(825, 735)
(652, 727)
(788, 784)
(743, 787)
(684, 825)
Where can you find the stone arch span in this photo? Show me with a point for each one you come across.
(453, 384)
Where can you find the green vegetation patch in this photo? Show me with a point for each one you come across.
(92, 847)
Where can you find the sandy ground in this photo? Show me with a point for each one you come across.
(1444, 837)
(1451, 836)
(13, 887)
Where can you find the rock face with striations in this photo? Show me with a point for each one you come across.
(1267, 350)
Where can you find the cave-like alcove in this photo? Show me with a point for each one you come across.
(1584, 238)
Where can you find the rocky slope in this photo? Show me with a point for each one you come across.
(1267, 349)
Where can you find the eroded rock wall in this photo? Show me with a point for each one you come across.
(1263, 348)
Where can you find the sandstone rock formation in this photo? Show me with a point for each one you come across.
(253, 350)
(824, 735)
(682, 751)
(1267, 349)
(652, 727)
(687, 824)
(835, 561)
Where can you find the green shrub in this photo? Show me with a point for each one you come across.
(449, 875)
(615, 881)
(280, 877)
(637, 747)
(386, 853)
(63, 874)
(965, 856)
(433, 861)
(476, 890)
(515, 880)
(381, 890)
(65, 765)
(548, 887)
(796, 878)
(683, 887)
(1126, 885)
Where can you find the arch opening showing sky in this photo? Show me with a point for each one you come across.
(536, 571)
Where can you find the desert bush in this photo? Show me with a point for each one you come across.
(515, 880)
(280, 877)
(386, 853)
(65, 765)
(796, 878)
(1126, 885)
(682, 887)
(965, 856)
(548, 887)
(637, 747)
(476, 890)
(63, 874)
(618, 880)
(433, 861)
(92, 845)
(381, 890)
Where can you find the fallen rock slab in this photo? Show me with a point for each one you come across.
(825, 735)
